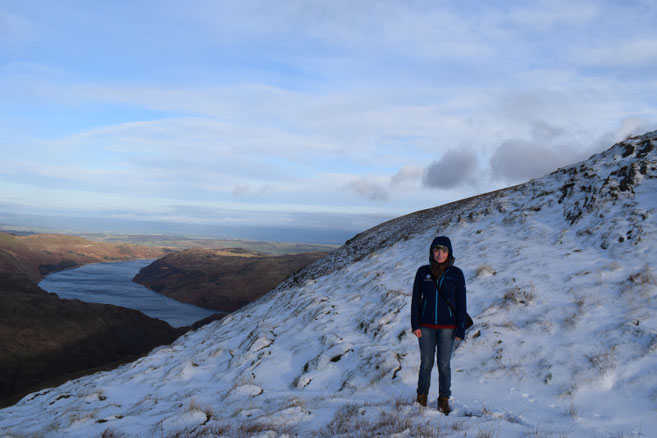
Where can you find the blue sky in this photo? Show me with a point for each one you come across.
(307, 114)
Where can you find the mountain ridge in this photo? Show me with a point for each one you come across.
(564, 329)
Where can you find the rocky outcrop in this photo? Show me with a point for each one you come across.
(220, 279)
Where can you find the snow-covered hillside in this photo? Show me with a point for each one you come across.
(561, 283)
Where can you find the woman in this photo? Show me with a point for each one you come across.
(438, 318)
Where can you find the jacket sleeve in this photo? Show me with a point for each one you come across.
(461, 305)
(416, 302)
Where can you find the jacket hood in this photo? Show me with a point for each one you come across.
(444, 241)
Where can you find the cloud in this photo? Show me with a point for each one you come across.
(15, 29)
(544, 15)
(637, 54)
(549, 147)
(247, 190)
(520, 160)
(405, 175)
(381, 28)
(631, 126)
(308, 90)
(455, 168)
(371, 190)
(545, 148)
(628, 127)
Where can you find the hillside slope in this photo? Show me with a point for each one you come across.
(220, 279)
(37, 255)
(561, 283)
(43, 337)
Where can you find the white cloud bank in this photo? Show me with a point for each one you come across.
(358, 108)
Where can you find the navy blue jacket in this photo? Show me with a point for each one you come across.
(428, 306)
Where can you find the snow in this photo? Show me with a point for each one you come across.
(561, 284)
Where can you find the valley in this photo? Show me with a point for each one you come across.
(561, 284)
(43, 338)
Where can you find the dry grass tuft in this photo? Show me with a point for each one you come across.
(645, 276)
(542, 433)
(348, 422)
(401, 402)
(603, 360)
(12, 434)
(579, 300)
(485, 270)
(572, 411)
(194, 406)
(244, 431)
(110, 433)
(515, 295)
(484, 434)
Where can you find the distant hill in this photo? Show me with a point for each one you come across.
(220, 279)
(178, 243)
(37, 255)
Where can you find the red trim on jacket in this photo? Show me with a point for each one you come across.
(433, 326)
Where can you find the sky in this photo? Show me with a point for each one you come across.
(318, 118)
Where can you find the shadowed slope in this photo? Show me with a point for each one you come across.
(43, 337)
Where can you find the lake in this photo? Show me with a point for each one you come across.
(111, 283)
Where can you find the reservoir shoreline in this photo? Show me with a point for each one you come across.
(111, 283)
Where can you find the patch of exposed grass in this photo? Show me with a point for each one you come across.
(539, 432)
(515, 295)
(485, 434)
(246, 430)
(111, 433)
(604, 359)
(348, 421)
(572, 411)
(485, 270)
(645, 276)
(194, 406)
(578, 299)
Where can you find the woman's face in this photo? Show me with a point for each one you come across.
(440, 253)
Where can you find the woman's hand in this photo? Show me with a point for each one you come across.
(417, 333)
(459, 339)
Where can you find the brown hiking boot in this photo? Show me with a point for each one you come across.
(443, 405)
(422, 399)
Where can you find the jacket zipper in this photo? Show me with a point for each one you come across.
(436, 317)
(442, 277)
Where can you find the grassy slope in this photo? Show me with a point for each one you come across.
(43, 337)
(220, 279)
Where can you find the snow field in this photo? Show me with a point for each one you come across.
(561, 283)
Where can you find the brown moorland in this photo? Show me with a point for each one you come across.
(44, 339)
(38, 255)
(220, 279)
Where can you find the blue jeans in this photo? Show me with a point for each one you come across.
(443, 341)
